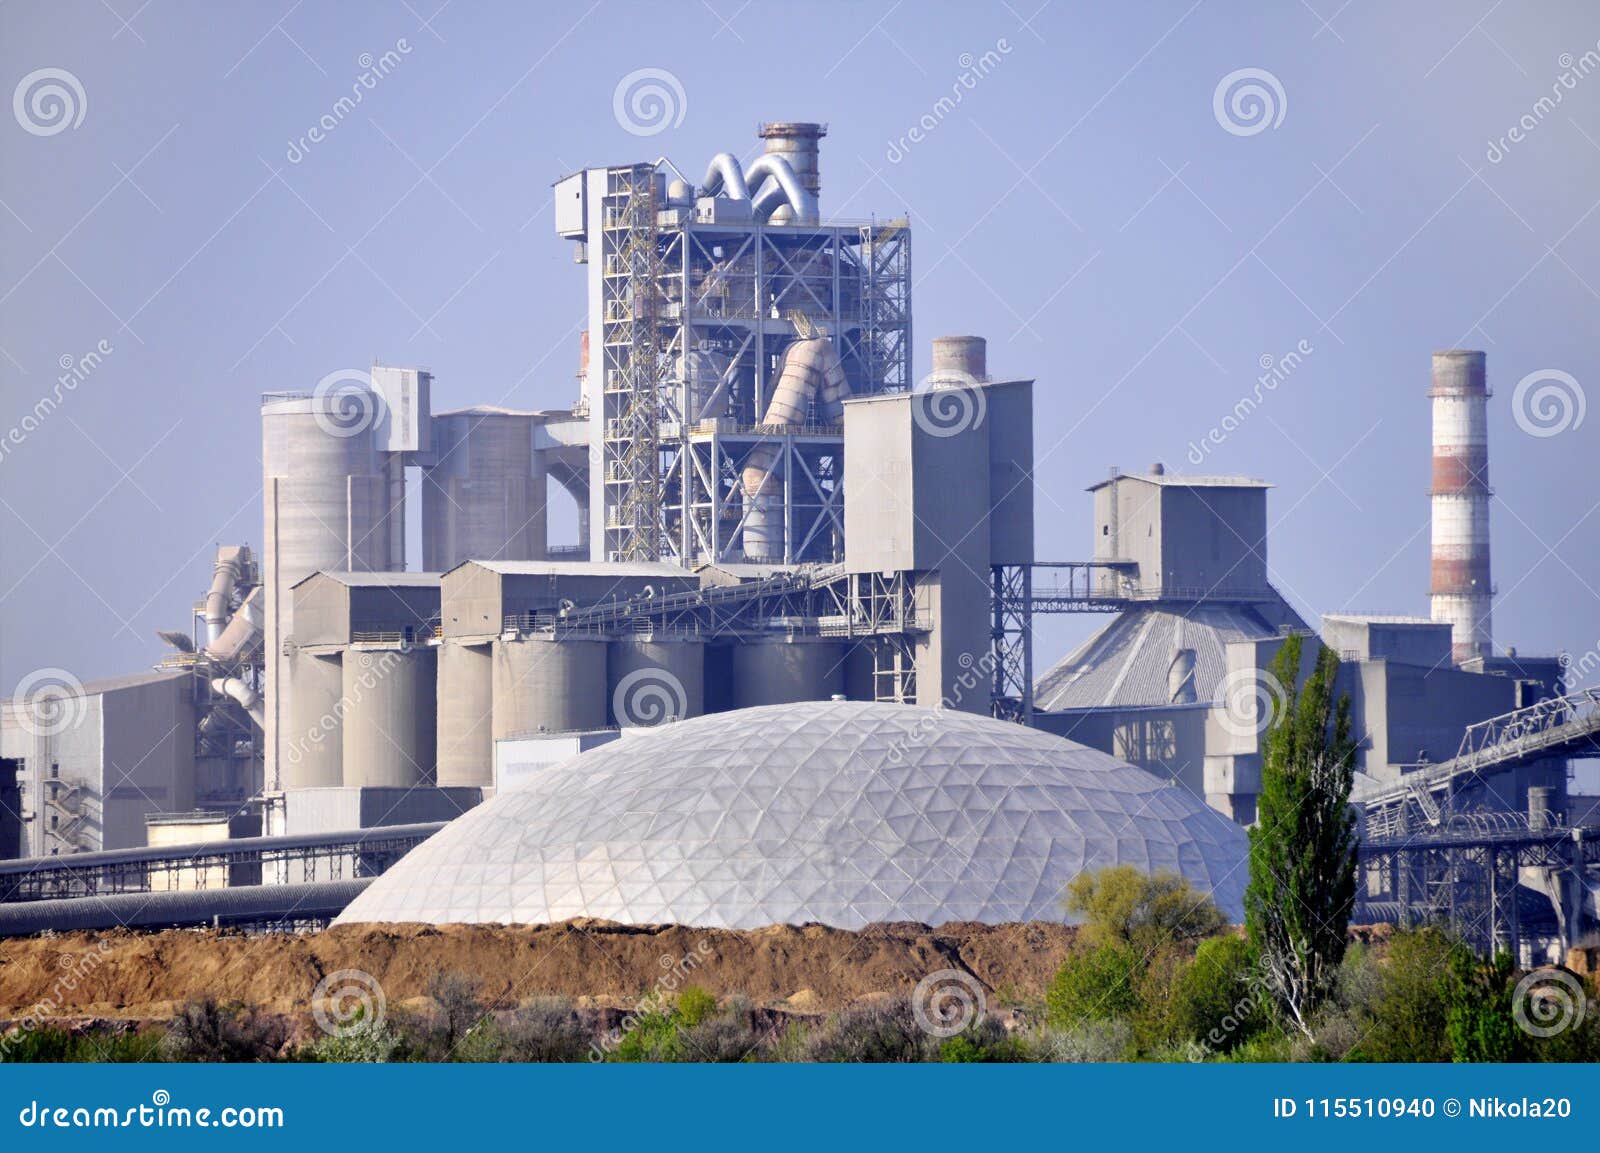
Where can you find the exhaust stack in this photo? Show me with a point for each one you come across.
(1461, 590)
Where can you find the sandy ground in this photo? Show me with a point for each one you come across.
(805, 969)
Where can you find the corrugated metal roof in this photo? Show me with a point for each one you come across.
(1175, 480)
(1125, 664)
(378, 579)
(578, 568)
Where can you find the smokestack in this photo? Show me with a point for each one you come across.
(1461, 589)
(959, 360)
(795, 141)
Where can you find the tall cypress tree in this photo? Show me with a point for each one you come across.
(1303, 846)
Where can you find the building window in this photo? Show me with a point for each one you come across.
(55, 770)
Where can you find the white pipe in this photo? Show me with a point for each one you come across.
(811, 370)
(223, 578)
(247, 697)
(771, 174)
(243, 630)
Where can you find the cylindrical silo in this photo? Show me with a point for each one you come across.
(776, 671)
(549, 684)
(1462, 593)
(311, 746)
(466, 703)
(332, 501)
(483, 497)
(389, 717)
(653, 680)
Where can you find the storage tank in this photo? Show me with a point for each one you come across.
(780, 670)
(483, 497)
(650, 681)
(389, 717)
(312, 743)
(549, 684)
(332, 500)
(465, 725)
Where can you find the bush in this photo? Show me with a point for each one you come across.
(984, 1043)
(363, 1043)
(53, 1044)
(458, 1011)
(1214, 1002)
(1092, 1042)
(1144, 912)
(880, 1033)
(545, 1030)
(206, 1031)
(692, 1030)
(1094, 985)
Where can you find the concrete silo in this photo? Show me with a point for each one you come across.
(483, 495)
(333, 498)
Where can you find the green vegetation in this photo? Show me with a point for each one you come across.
(1303, 846)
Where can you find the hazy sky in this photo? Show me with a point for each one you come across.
(1091, 204)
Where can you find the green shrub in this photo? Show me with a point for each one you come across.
(363, 1043)
(1096, 984)
(1141, 911)
(877, 1033)
(1214, 1002)
(1092, 1042)
(53, 1044)
(984, 1043)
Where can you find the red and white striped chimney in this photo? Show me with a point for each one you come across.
(1461, 590)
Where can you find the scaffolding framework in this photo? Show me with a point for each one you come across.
(699, 305)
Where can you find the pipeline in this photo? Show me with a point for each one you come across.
(242, 632)
(811, 370)
(230, 560)
(772, 176)
(248, 698)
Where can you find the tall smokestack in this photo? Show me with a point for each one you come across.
(1461, 589)
(796, 141)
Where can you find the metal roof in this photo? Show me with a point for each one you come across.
(379, 579)
(1175, 480)
(1125, 664)
(579, 568)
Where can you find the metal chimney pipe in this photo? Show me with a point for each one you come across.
(795, 141)
(1461, 590)
(959, 360)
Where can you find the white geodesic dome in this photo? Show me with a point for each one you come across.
(843, 813)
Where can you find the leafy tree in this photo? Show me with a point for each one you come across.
(1479, 1022)
(1216, 1002)
(1141, 911)
(1303, 846)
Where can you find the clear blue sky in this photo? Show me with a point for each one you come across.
(1083, 206)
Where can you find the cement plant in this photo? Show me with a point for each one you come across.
(785, 673)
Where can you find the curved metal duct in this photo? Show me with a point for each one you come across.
(811, 370)
(230, 560)
(248, 698)
(243, 630)
(772, 175)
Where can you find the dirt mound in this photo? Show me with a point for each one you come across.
(804, 968)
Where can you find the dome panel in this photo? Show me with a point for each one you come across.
(841, 812)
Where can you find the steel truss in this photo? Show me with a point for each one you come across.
(683, 292)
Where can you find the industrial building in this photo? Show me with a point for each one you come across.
(773, 510)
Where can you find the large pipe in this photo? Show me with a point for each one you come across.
(811, 370)
(1461, 589)
(230, 559)
(248, 698)
(795, 143)
(782, 195)
(243, 630)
